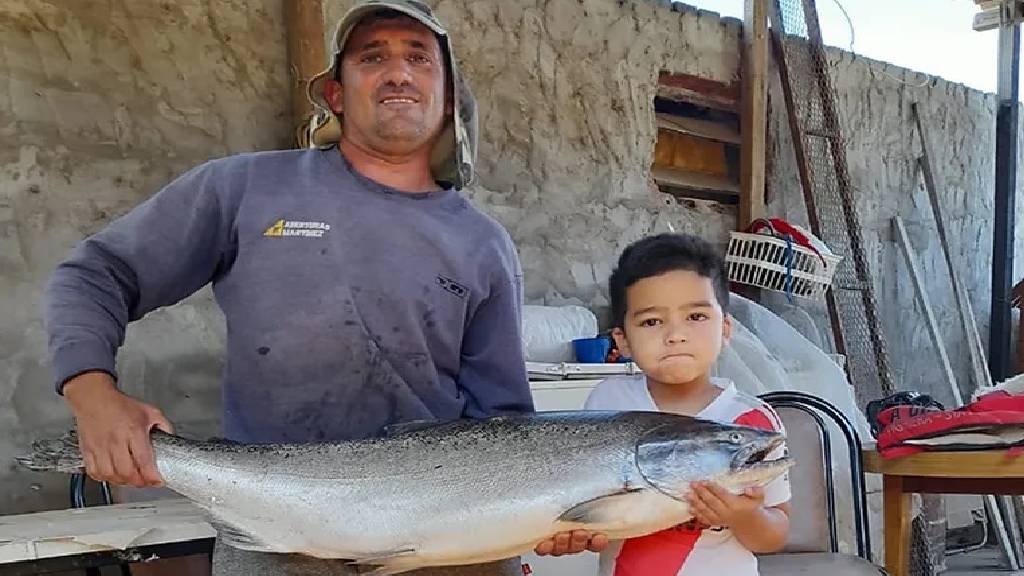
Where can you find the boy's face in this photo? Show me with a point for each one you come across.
(674, 327)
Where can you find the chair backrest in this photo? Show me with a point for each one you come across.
(813, 518)
(810, 526)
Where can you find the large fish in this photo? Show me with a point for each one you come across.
(461, 492)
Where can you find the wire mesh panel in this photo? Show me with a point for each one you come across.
(821, 159)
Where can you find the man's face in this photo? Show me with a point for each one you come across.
(674, 327)
(392, 95)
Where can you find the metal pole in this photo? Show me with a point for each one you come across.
(754, 119)
(1006, 188)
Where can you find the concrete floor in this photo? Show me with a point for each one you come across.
(984, 562)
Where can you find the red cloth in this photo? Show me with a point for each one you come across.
(997, 401)
(902, 423)
(781, 228)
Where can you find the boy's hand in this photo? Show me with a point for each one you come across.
(714, 506)
(572, 543)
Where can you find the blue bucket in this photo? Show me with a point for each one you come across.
(591, 350)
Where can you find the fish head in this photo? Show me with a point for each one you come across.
(672, 456)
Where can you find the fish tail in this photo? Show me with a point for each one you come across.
(54, 455)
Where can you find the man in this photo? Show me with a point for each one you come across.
(360, 288)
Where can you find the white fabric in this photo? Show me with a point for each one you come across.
(548, 331)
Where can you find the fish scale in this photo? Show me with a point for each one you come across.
(455, 493)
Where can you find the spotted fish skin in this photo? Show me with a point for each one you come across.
(460, 492)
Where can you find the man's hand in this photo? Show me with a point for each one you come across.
(714, 506)
(572, 543)
(113, 431)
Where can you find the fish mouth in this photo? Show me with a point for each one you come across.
(753, 456)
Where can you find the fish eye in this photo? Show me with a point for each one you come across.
(736, 438)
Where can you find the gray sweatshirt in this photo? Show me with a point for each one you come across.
(349, 305)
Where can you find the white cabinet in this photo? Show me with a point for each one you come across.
(560, 394)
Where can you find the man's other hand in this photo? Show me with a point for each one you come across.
(572, 543)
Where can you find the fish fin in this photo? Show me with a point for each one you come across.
(238, 538)
(385, 563)
(600, 510)
(55, 455)
(387, 571)
(412, 426)
(383, 557)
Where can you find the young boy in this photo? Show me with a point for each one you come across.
(670, 296)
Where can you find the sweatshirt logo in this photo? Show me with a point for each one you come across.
(296, 228)
(453, 286)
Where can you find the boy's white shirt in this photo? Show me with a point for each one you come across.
(688, 551)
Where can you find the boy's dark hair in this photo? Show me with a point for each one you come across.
(656, 255)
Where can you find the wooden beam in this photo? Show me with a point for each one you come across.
(700, 91)
(897, 512)
(982, 377)
(974, 336)
(703, 128)
(695, 180)
(925, 485)
(922, 297)
(304, 22)
(116, 527)
(947, 464)
(754, 116)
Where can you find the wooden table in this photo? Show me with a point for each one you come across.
(984, 472)
(79, 538)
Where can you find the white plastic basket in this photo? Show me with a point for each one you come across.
(761, 260)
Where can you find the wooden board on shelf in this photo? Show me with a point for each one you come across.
(117, 527)
(693, 180)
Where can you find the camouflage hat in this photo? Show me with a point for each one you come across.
(454, 155)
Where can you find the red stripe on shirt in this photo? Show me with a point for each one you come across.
(659, 554)
(755, 419)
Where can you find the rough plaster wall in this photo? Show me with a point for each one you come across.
(874, 101)
(566, 94)
(101, 103)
